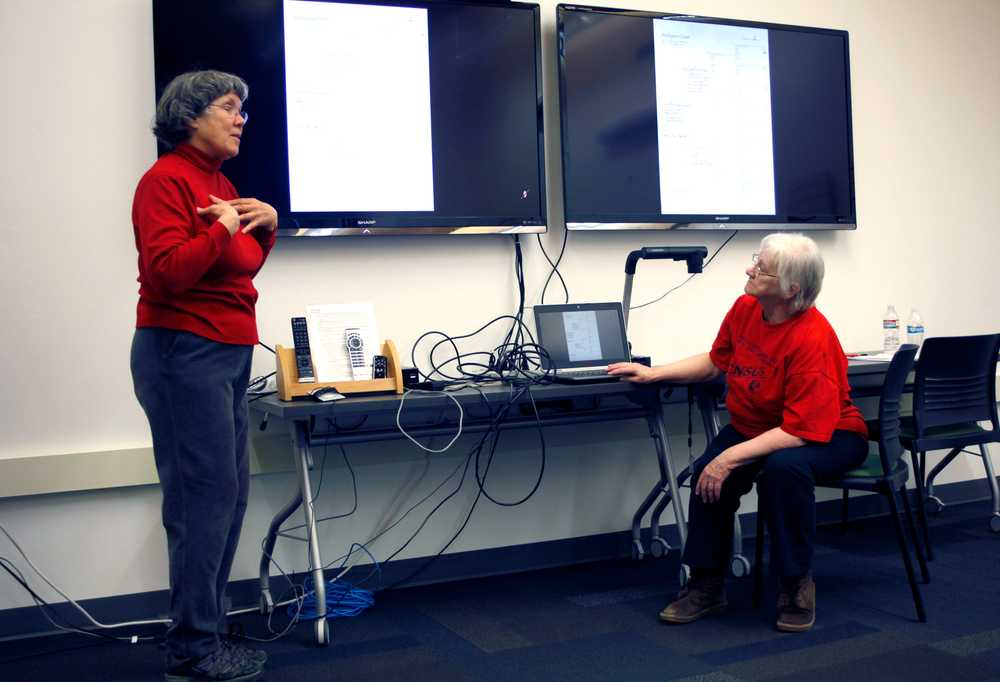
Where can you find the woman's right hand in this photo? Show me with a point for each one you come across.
(632, 371)
(222, 211)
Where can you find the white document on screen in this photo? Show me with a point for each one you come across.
(328, 324)
(357, 88)
(713, 118)
(583, 340)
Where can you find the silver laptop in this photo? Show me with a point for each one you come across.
(582, 339)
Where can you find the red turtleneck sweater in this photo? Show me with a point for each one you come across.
(192, 275)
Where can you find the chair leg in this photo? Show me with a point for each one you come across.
(918, 601)
(758, 555)
(918, 477)
(843, 509)
(992, 482)
(912, 527)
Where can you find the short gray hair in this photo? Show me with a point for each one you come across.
(185, 98)
(799, 262)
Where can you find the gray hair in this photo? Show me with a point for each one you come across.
(185, 98)
(798, 262)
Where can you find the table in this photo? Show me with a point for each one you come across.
(425, 415)
(558, 404)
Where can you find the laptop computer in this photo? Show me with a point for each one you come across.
(582, 339)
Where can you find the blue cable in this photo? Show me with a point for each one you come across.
(343, 600)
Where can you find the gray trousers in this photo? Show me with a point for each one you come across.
(193, 391)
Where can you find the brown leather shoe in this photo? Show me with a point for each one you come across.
(700, 597)
(797, 604)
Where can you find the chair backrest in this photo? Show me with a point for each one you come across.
(956, 381)
(889, 447)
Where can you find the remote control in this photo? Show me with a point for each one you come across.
(356, 353)
(380, 367)
(303, 357)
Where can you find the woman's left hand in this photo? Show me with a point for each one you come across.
(255, 213)
(710, 481)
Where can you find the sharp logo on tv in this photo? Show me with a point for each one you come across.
(366, 222)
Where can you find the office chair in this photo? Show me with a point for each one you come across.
(954, 389)
(884, 472)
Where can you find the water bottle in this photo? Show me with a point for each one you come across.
(915, 328)
(890, 330)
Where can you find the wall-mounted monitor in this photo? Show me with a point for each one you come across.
(408, 117)
(683, 122)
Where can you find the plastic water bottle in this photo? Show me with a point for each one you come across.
(890, 330)
(915, 328)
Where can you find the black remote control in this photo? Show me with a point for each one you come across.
(380, 367)
(303, 357)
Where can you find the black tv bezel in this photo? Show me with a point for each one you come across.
(396, 223)
(612, 221)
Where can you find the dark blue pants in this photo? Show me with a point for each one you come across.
(788, 501)
(194, 393)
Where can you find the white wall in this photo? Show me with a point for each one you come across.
(78, 84)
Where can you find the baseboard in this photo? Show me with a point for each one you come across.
(29, 621)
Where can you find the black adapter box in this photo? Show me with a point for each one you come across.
(411, 377)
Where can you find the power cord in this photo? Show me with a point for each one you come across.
(555, 265)
(690, 277)
(69, 599)
(516, 359)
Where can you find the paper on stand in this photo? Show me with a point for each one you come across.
(327, 323)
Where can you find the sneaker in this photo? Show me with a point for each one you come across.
(240, 653)
(797, 604)
(219, 666)
(702, 596)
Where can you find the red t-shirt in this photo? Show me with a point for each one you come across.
(192, 275)
(792, 374)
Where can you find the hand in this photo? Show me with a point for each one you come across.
(709, 486)
(256, 214)
(632, 371)
(224, 212)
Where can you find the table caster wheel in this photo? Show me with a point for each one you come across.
(995, 523)
(739, 566)
(322, 632)
(637, 553)
(934, 504)
(684, 575)
(659, 547)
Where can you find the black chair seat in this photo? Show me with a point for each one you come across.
(943, 437)
(870, 475)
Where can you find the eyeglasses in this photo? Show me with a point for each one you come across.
(232, 111)
(755, 260)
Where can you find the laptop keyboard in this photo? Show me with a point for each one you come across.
(586, 372)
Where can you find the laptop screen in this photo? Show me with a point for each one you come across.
(582, 334)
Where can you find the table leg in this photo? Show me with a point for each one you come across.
(315, 559)
(659, 431)
(266, 600)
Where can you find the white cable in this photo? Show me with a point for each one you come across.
(423, 447)
(70, 600)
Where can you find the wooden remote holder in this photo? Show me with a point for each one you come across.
(289, 387)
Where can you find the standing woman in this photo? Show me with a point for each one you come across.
(200, 246)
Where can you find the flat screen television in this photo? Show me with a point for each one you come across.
(388, 117)
(683, 122)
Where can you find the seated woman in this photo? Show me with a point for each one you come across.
(791, 417)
